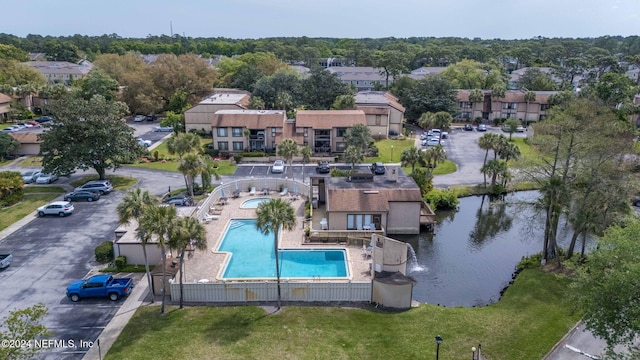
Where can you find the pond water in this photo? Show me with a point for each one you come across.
(474, 251)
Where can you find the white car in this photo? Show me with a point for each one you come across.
(60, 208)
(433, 142)
(278, 167)
(163, 128)
(139, 118)
(145, 143)
(46, 178)
(30, 176)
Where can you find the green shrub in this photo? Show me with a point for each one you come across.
(440, 199)
(127, 269)
(11, 188)
(121, 261)
(237, 158)
(529, 262)
(104, 252)
(253, 154)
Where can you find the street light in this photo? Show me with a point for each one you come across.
(391, 153)
(473, 353)
(438, 342)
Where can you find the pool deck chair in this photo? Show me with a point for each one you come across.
(236, 194)
(253, 191)
(284, 192)
(208, 218)
(265, 191)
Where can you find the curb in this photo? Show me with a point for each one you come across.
(563, 340)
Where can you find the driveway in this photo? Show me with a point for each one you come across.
(50, 252)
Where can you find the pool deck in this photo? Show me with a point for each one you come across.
(207, 264)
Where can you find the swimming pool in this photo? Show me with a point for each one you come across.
(253, 203)
(252, 256)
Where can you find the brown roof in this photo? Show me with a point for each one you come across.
(374, 110)
(376, 98)
(252, 119)
(329, 119)
(26, 138)
(5, 99)
(517, 96)
(369, 199)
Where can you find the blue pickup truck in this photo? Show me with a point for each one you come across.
(100, 286)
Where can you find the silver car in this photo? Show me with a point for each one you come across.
(46, 178)
(30, 176)
(60, 208)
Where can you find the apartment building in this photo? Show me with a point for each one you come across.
(512, 106)
(199, 117)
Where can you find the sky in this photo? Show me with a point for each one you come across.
(243, 19)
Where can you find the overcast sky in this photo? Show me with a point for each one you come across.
(241, 19)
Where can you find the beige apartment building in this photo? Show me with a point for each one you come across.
(512, 106)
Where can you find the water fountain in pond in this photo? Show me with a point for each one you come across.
(412, 261)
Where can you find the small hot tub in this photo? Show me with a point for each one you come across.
(253, 203)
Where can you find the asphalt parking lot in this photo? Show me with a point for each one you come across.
(50, 252)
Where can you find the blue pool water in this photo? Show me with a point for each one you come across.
(252, 256)
(253, 203)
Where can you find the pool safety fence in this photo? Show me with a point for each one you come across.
(259, 291)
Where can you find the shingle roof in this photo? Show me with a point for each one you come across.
(328, 119)
(5, 99)
(365, 98)
(370, 196)
(26, 138)
(542, 97)
(253, 119)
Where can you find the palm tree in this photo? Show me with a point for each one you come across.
(133, 206)
(487, 142)
(210, 170)
(160, 221)
(410, 156)
(183, 143)
(529, 97)
(439, 155)
(288, 149)
(187, 232)
(190, 166)
(272, 216)
(305, 151)
(353, 155)
(475, 96)
(426, 121)
(508, 151)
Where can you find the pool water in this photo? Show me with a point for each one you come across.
(253, 203)
(252, 256)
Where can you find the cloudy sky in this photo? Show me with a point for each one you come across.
(240, 19)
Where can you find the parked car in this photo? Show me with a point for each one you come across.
(44, 119)
(164, 129)
(377, 168)
(278, 167)
(103, 285)
(433, 142)
(60, 208)
(482, 127)
(34, 123)
(151, 117)
(30, 176)
(145, 143)
(46, 178)
(11, 128)
(323, 168)
(139, 118)
(99, 186)
(178, 200)
(468, 127)
(636, 201)
(520, 128)
(82, 195)
(5, 260)
(444, 135)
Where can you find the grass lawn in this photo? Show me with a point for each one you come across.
(525, 324)
(446, 167)
(118, 182)
(29, 203)
(31, 161)
(224, 166)
(384, 150)
(43, 189)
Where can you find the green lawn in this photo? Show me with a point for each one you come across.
(31, 161)
(224, 166)
(29, 204)
(525, 324)
(385, 147)
(43, 189)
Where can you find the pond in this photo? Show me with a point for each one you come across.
(473, 252)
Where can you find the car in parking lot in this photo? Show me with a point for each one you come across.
(30, 176)
(468, 127)
(433, 142)
(139, 118)
(278, 167)
(482, 127)
(163, 129)
(60, 208)
(145, 143)
(82, 195)
(520, 128)
(178, 200)
(11, 128)
(444, 135)
(44, 119)
(377, 168)
(151, 117)
(46, 178)
(323, 168)
(99, 186)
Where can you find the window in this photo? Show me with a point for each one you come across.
(510, 106)
(541, 117)
(306, 132)
(544, 107)
(465, 115)
(357, 221)
(465, 104)
(508, 115)
(378, 119)
(223, 145)
(222, 132)
(238, 146)
(236, 132)
(341, 132)
(341, 146)
(273, 132)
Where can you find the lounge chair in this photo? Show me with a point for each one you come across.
(284, 192)
(236, 194)
(208, 218)
(253, 191)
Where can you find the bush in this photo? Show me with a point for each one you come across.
(127, 269)
(529, 262)
(155, 155)
(254, 154)
(121, 261)
(104, 252)
(209, 150)
(11, 188)
(237, 158)
(442, 199)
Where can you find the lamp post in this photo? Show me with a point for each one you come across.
(438, 342)
(391, 153)
(473, 353)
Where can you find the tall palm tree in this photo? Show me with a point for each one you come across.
(210, 170)
(475, 96)
(288, 149)
(353, 155)
(426, 121)
(272, 216)
(190, 166)
(187, 232)
(410, 156)
(132, 206)
(306, 152)
(439, 155)
(486, 143)
(160, 221)
(529, 97)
